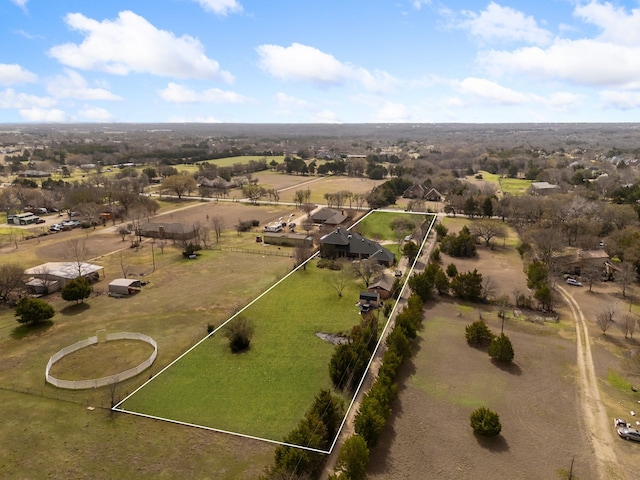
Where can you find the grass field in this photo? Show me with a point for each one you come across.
(514, 186)
(231, 161)
(378, 226)
(511, 186)
(183, 296)
(265, 391)
(319, 186)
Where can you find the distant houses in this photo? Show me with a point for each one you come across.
(418, 191)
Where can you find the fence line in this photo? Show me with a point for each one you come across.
(111, 379)
(254, 251)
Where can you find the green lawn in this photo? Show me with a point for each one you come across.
(514, 186)
(378, 226)
(511, 186)
(231, 161)
(265, 391)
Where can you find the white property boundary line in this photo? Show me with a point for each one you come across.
(393, 311)
(117, 408)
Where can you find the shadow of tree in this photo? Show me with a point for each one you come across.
(25, 330)
(511, 367)
(75, 309)
(497, 444)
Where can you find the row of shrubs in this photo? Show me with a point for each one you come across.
(316, 430)
(375, 408)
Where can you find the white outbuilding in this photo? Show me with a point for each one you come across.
(124, 286)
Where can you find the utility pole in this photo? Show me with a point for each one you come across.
(153, 255)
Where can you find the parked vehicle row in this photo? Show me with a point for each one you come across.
(625, 430)
(64, 225)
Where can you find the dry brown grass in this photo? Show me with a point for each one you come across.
(101, 360)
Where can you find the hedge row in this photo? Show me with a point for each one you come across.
(375, 408)
(316, 430)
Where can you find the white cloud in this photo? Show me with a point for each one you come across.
(73, 85)
(617, 26)
(498, 23)
(300, 62)
(10, 99)
(303, 63)
(287, 101)
(220, 7)
(96, 114)
(21, 3)
(620, 100)
(325, 116)
(11, 73)
(611, 58)
(180, 94)
(392, 112)
(564, 101)
(417, 4)
(194, 120)
(583, 62)
(43, 115)
(131, 44)
(492, 92)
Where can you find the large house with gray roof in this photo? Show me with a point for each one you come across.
(341, 243)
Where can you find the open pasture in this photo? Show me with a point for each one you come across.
(319, 186)
(265, 390)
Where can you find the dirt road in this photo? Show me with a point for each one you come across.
(594, 414)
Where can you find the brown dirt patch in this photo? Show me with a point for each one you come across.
(101, 360)
(536, 398)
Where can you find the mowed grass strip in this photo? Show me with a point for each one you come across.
(264, 391)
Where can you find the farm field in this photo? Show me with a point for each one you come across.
(536, 399)
(96, 443)
(429, 432)
(264, 391)
(511, 186)
(231, 161)
(319, 186)
(176, 321)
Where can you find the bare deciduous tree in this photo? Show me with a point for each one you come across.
(604, 318)
(202, 234)
(624, 276)
(302, 253)
(366, 269)
(10, 279)
(77, 253)
(125, 263)
(488, 229)
(341, 279)
(488, 288)
(218, 226)
(547, 241)
(628, 324)
(44, 278)
(590, 273)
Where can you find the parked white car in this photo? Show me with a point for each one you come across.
(574, 282)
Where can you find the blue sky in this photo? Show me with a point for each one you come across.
(349, 61)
